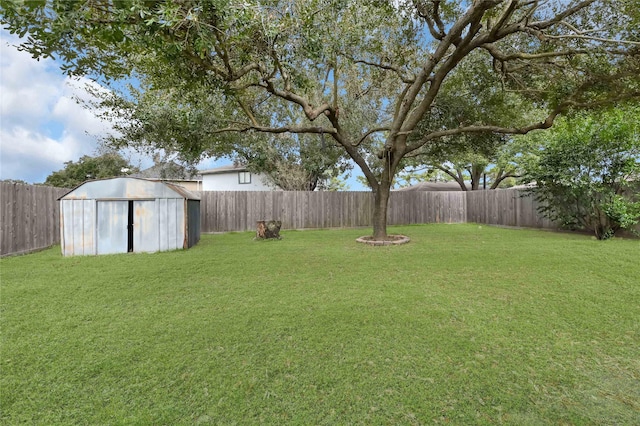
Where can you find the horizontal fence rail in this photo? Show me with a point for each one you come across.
(30, 215)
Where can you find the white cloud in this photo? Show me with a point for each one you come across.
(32, 156)
(41, 124)
(77, 119)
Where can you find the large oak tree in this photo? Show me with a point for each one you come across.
(364, 73)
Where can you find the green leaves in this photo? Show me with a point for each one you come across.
(87, 168)
(588, 173)
(623, 211)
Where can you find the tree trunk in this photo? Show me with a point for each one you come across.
(456, 176)
(380, 205)
(460, 179)
(502, 176)
(381, 192)
(476, 175)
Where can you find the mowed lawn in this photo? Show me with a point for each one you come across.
(467, 324)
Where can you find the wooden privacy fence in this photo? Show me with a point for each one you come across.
(29, 217)
(30, 214)
(239, 211)
(505, 207)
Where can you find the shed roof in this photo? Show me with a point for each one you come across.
(127, 188)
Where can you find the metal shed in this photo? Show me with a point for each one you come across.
(123, 215)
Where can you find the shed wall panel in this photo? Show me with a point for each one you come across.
(180, 225)
(78, 227)
(66, 228)
(193, 222)
(88, 243)
(170, 222)
(163, 237)
(174, 223)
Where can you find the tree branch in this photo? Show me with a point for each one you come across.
(311, 112)
(437, 33)
(247, 111)
(548, 122)
(572, 102)
(541, 25)
(436, 16)
(369, 133)
(397, 70)
(502, 177)
(194, 57)
(409, 117)
(456, 176)
(592, 38)
(504, 18)
(283, 129)
(502, 57)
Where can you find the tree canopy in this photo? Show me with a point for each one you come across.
(86, 168)
(364, 73)
(149, 119)
(473, 94)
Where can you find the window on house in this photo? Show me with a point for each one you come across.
(244, 177)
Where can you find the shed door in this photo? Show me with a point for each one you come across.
(112, 217)
(145, 226)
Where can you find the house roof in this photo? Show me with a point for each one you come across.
(127, 188)
(433, 186)
(224, 169)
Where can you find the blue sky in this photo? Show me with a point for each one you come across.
(41, 124)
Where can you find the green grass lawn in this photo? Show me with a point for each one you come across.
(467, 324)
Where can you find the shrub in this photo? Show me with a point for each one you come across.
(587, 176)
